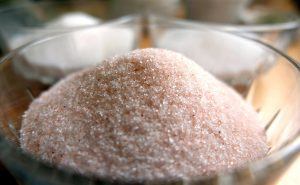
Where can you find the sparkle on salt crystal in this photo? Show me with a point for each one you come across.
(161, 121)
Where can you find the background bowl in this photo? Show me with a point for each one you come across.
(261, 20)
(25, 22)
(259, 26)
(47, 64)
(273, 91)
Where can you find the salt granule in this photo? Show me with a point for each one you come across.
(149, 114)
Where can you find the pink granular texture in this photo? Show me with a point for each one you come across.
(150, 114)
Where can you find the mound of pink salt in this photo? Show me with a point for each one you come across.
(150, 114)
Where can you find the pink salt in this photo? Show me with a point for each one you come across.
(150, 114)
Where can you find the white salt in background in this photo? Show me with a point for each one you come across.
(213, 51)
(54, 59)
(68, 20)
(150, 114)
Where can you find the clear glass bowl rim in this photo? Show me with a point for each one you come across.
(234, 28)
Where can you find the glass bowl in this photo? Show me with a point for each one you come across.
(276, 34)
(273, 92)
(28, 21)
(276, 26)
(91, 45)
